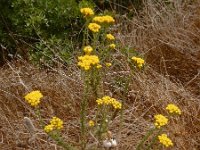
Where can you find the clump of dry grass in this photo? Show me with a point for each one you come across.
(168, 35)
(149, 93)
(162, 35)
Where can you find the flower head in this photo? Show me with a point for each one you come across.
(107, 100)
(48, 128)
(87, 49)
(108, 64)
(104, 19)
(160, 120)
(87, 12)
(55, 124)
(110, 37)
(163, 139)
(99, 66)
(91, 123)
(94, 27)
(138, 61)
(112, 46)
(33, 98)
(87, 61)
(173, 109)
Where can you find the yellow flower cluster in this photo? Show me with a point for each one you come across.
(108, 64)
(104, 19)
(33, 98)
(165, 140)
(112, 46)
(173, 109)
(94, 27)
(138, 61)
(87, 12)
(55, 124)
(99, 66)
(87, 61)
(160, 120)
(110, 37)
(87, 49)
(91, 123)
(107, 100)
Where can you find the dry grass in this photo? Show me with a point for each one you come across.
(169, 38)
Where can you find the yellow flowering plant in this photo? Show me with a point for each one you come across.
(110, 37)
(160, 122)
(163, 139)
(33, 98)
(108, 108)
(139, 62)
(53, 130)
(55, 124)
(112, 46)
(173, 109)
(97, 45)
(104, 19)
(91, 123)
(88, 50)
(87, 12)
(86, 62)
(108, 64)
(94, 27)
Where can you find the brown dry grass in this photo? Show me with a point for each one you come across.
(170, 41)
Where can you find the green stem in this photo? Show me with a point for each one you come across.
(61, 142)
(83, 112)
(123, 102)
(150, 132)
(154, 139)
(38, 114)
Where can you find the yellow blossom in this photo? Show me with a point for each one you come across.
(112, 46)
(87, 49)
(138, 61)
(110, 37)
(91, 123)
(160, 120)
(165, 140)
(173, 109)
(87, 12)
(107, 100)
(104, 19)
(57, 123)
(94, 27)
(87, 61)
(48, 128)
(108, 64)
(99, 66)
(33, 98)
